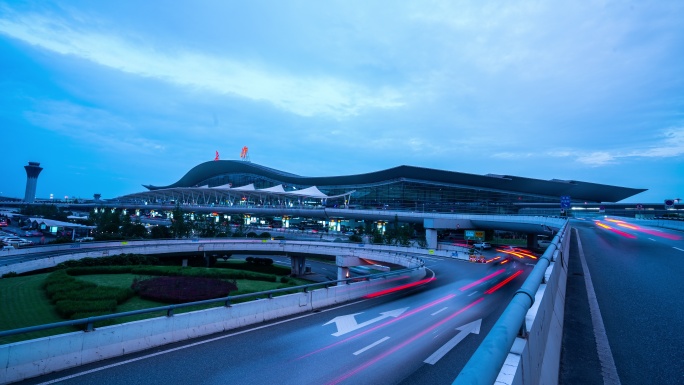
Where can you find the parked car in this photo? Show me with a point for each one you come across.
(86, 239)
(7, 248)
(482, 245)
(25, 243)
(11, 241)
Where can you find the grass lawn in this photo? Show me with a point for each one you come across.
(24, 303)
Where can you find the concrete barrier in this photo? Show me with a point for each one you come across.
(26, 359)
(535, 357)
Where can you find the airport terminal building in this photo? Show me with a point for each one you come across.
(403, 188)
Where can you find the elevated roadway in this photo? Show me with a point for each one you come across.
(624, 309)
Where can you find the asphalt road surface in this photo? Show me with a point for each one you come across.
(636, 273)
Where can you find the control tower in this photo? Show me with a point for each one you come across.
(32, 171)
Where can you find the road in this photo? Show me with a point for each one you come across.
(636, 274)
(384, 339)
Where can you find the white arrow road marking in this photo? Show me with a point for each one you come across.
(378, 342)
(677, 248)
(347, 323)
(473, 327)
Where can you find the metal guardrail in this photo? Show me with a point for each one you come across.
(485, 364)
(89, 322)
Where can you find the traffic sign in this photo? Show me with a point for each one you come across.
(565, 201)
(474, 234)
(669, 203)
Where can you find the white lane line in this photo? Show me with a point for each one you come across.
(651, 239)
(677, 248)
(376, 343)
(608, 369)
(439, 311)
(472, 293)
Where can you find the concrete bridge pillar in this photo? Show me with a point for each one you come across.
(342, 273)
(431, 238)
(298, 265)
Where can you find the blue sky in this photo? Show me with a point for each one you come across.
(109, 96)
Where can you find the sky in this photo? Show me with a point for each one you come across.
(111, 95)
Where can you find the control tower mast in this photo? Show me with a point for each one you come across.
(32, 171)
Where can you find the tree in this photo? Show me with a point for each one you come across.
(179, 227)
(160, 232)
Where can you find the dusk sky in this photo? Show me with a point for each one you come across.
(111, 95)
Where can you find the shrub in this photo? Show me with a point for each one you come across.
(120, 295)
(113, 260)
(265, 235)
(182, 289)
(10, 274)
(251, 234)
(259, 261)
(284, 279)
(99, 270)
(355, 238)
(266, 269)
(68, 308)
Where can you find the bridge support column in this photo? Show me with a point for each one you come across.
(342, 273)
(531, 241)
(298, 265)
(431, 238)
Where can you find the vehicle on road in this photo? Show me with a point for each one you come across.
(543, 243)
(86, 239)
(482, 245)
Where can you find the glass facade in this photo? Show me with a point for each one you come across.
(418, 196)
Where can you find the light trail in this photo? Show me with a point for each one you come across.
(481, 280)
(408, 314)
(402, 345)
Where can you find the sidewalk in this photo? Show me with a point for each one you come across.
(579, 362)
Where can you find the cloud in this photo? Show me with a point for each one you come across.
(671, 145)
(512, 155)
(301, 95)
(597, 158)
(92, 126)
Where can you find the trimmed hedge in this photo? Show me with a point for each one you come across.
(113, 260)
(68, 308)
(74, 298)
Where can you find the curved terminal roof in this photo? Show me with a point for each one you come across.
(577, 190)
